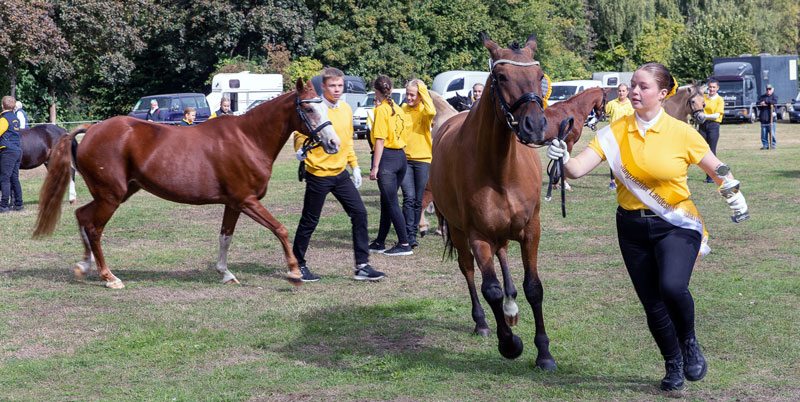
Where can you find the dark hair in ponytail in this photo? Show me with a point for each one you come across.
(383, 85)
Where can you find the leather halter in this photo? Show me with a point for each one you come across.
(524, 99)
(313, 139)
(690, 104)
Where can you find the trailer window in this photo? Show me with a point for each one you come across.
(456, 85)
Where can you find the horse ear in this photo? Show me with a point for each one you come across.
(299, 84)
(531, 43)
(490, 45)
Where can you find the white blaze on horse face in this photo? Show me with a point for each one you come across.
(328, 138)
(222, 262)
(510, 308)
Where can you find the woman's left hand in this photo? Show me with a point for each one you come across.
(373, 174)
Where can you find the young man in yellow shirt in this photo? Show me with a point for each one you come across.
(711, 118)
(617, 109)
(419, 106)
(326, 173)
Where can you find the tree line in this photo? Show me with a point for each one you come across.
(86, 59)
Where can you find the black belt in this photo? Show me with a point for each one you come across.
(644, 213)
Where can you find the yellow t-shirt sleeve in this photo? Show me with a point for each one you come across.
(696, 146)
(380, 128)
(299, 138)
(428, 108)
(595, 146)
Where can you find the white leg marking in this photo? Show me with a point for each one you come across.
(86, 263)
(73, 195)
(510, 308)
(222, 262)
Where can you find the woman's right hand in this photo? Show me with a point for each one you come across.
(373, 174)
(558, 150)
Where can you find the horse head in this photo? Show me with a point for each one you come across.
(516, 89)
(598, 111)
(695, 102)
(313, 114)
(460, 103)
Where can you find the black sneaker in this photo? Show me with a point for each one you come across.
(307, 275)
(4, 210)
(399, 250)
(694, 364)
(18, 208)
(376, 247)
(366, 273)
(708, 180)
(673, 380)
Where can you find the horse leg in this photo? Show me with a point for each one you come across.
(252, 208)
(423, 224)
(82, 267)
(427, 199)
(225, 235)
(467, 266)
(510, 308)
(534, 293)
(73, 195)
(509, 345)
(92, 219)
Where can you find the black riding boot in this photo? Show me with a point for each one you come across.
(674, 378)
(694, 364)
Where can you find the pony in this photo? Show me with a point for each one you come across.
(460, 103)
(37, 144)
(486, 184)
(227, 160)
(687, 101)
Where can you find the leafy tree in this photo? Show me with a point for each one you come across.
(655, 41)
(305, 67)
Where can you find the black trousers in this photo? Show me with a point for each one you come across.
(710, 132)
(317, 188)
(9, 176)
(660, 258)
(391, 172)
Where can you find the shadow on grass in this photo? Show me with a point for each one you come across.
(388, 340)
(791, 174)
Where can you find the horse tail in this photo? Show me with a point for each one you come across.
(55, 184)
(75, 152)
(447, 253)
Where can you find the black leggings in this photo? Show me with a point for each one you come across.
(660, 257)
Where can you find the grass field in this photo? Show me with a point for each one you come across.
(176, 333)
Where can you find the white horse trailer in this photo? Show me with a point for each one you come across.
(243, 89)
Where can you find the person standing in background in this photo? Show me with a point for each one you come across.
(224, 108)
(21, 115)
(765, 104)
(152, 114)
(711, 117)
(188, 117)
(616, 109)
(10, 156)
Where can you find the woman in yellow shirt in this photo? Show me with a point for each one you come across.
(389, 133)
(660, 231)
(419, 107)
(711, 117)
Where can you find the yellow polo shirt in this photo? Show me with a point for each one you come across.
(419, 143)
(714, 105)
(393, 129)
(616, 110)
(322, 164)
(659, 160)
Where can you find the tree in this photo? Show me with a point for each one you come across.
(29, 36)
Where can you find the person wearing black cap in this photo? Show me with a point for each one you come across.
(766, 103)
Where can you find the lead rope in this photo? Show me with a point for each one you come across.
(555, 169)
(307, 146)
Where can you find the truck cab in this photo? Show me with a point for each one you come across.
(737, 87)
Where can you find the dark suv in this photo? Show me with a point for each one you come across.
(794, 110)
(170, 107)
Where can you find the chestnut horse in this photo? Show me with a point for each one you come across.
(487, 184)
(37, 143)
(227, 160)
(687, 101)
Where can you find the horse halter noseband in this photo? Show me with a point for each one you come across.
(524, 99)
(313, 139)
(690, 104)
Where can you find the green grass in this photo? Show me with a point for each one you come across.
(176, 333)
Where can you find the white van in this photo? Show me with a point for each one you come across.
(450, 83)
(243, 89)
(364, 109)
(562, 90)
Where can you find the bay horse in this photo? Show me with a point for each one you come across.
(37, 144)
(687, 101)
(227, 160)
(487, 184)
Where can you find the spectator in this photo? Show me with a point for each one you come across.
(711, 117)
(224, 108)
(766, 103)
(661, 233)
(21, 115)
(152, 114)
(389, 163)
(617, 109)
(188, 117)
(419, 107)
(10, 156)
(477, 91)
(326, 173)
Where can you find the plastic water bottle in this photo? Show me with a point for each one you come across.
(729, 188)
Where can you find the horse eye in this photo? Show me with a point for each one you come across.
(502, 78)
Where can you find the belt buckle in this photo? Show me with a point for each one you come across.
(644, 213)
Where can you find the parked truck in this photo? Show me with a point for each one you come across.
(742, 79)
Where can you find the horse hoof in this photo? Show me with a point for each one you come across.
(546, 365)
(484, 332)
(115, 284)
(73, 202)
(438, 232)
(294, 279)
(512, 321)
(232, 281)
(422, 233)
(510, 350)
(78, 272)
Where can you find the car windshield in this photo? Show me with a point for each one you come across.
(369, 101)
(144, 104)
(562, 92)
(256, 103)
(729, 88)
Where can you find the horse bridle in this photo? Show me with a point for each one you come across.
(313, 140)
(524, 99)
(690, 104)
(599, 116)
